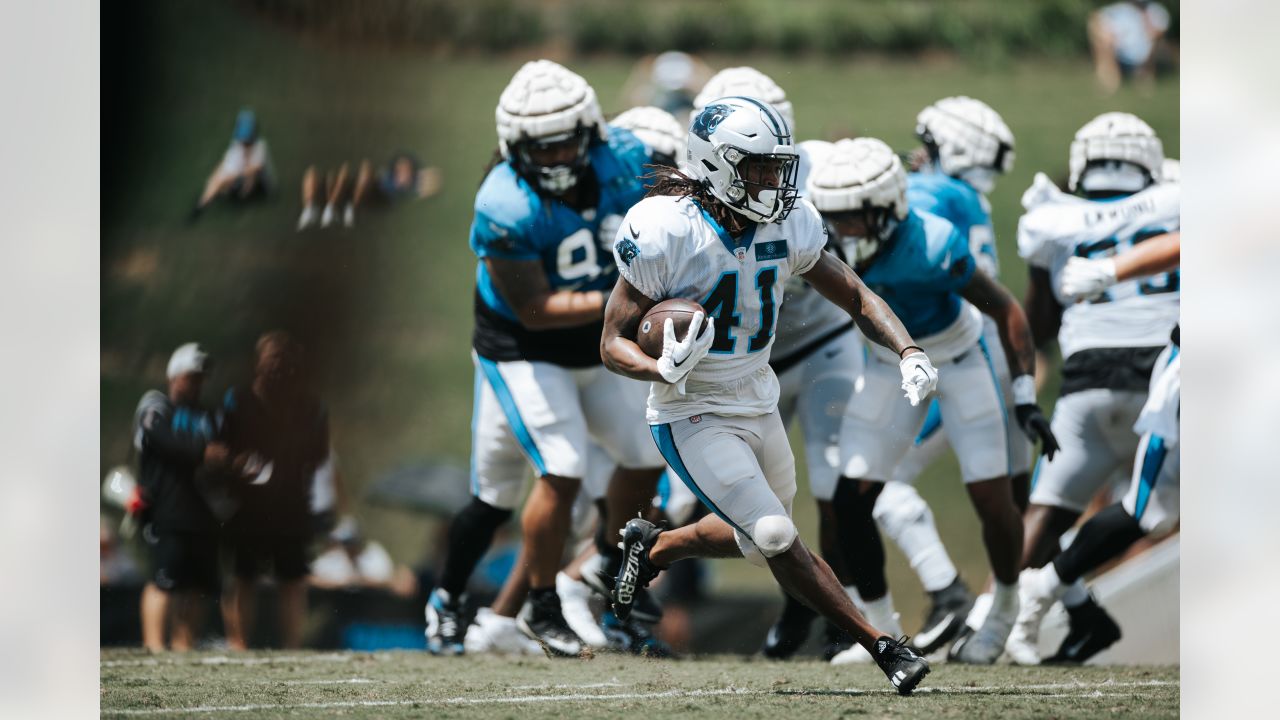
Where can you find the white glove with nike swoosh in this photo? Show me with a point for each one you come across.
(919, 377)
(679, 356)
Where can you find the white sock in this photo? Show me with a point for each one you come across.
(880, 613)
(981, 607)
(1004, 601)
(1076, 595)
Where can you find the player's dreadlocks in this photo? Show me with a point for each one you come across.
(664, 180)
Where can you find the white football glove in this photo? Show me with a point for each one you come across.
(1085, 279)
(679, 356)
(919, 377)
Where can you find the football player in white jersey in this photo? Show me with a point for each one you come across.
(1151, 507)
(544, 216)
(726, 236)
(817, 357)
(1109, 342)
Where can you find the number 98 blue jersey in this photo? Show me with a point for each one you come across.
(514, 222)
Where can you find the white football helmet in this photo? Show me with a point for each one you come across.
(658, 130)
(966, 139)
(1125, 151)
(861, 176)
(547, 104)
(730, 134)
(745, 82)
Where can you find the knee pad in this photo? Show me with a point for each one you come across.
(774, 535)
(898, 506)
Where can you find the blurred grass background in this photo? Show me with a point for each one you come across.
(386, 307)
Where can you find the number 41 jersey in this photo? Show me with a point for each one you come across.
(669, 247)
(1058, 226)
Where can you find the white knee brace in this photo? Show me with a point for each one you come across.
(898, 507)
(774, 535)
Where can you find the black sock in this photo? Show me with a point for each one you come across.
(860, 541)
(1105, 536)
(470, 536)
(609, 551)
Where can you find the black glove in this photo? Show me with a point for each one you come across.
(1036, 426)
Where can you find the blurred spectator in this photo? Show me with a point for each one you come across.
(245, 171)
(349, 561)
(279, 436)
(1125, 37)
(175, 437)
(402, 178)
(669, 81)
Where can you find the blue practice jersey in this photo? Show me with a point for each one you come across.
(921, 272)
(513, 222)
(963, 206)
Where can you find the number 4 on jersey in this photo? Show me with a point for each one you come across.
(722, 304)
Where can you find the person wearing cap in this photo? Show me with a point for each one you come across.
(245, 170)
(175, 438)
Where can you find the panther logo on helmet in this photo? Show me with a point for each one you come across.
(709, 119)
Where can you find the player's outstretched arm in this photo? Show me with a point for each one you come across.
(838, 283)
(523, 284)
(619, 351)
(1084, 279)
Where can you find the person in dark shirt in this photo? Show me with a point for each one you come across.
(175, 438)
(278, 434)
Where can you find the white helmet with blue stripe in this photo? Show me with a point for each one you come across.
(747, 82)
(742, 149)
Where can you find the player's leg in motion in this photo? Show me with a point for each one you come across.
(498, 471)
(1094, 429)
(907, 520)
(743, 471)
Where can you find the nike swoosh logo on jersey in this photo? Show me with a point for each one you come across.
(635, 235)
(926, 638)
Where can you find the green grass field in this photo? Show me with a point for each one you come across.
(387, 306)
(394, 685)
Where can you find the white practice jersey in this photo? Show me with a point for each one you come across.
(667, 247)
(806, 315)
(1057, 226)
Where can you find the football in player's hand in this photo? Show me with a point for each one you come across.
(649, 336)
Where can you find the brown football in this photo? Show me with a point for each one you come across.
(649, 336)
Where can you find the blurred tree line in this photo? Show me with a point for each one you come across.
(977, 29)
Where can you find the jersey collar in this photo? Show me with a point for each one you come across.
(725, 238)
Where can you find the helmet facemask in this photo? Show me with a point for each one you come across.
(861, 235)
(548, 162)
(763, 186)
(1111, 178)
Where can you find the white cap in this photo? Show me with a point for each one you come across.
(188, 358)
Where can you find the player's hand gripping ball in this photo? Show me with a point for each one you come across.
(650, 334)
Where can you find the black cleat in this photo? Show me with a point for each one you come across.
(837, 642)
(789, 631)
(637, 572)
(630, 636)
(904, 668)
(947, 612)
(1091, 631)
(546, 625)
(446, 625)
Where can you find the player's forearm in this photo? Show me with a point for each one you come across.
(1043, 312)
(1015, 337)
(880, 325)
(1157, 255)
(561, 309)
(624, 357)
